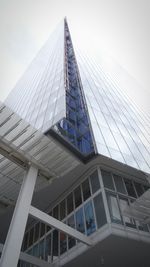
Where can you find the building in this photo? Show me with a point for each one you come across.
(92, 150)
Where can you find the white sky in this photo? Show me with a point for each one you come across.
(120, 27)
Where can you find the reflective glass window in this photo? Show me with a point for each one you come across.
(119, 184)
(80, 221)
(69, 203)
(48, 247)
(42, 229)
(63, 242)
(77, 195)
(94, 182)
(35, 250)
(55, 244)
(86, 189)
(114, 208)
(55, 212)
(89, 218)
(99, 211)
(107, 179)
(123, 204)
(36, 232)
(25, 243)
(31, 236)
(130, 188)
(139, 189)
(41, 249)
(71, 240)
(62, 209)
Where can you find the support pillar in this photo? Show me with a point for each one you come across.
(12, 246)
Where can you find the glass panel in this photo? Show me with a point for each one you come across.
(77, 195)
(55, 244)
(123, 204)
(139, 189)
(107, 180)
(36, 232)
(62, 209)
(63, 243)
(119, 184)
(99, 211)
(35, 251)
(70, 203)
(89, 218)
(55, 212)
(80, 221)
(71, 240)
(94, 182)
(48, 248)
(41, 249)
(25, 243)
(130, 188)
(42, 229)
(114, 208)
(31, 237)
(86, 189)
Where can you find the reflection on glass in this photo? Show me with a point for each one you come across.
(63, 242)
(48, 247)
(123, 204)
(55, 245)
(80, 221)
(70, 203)
(77, 195)
(107, 179)
(99, 211)
(41, 249)
(114, 208)
(89, 218)
(130, 188)
(86, 189)
(62, 210)
(71, 240)
(119, 184)
(94, 182)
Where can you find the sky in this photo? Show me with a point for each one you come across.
(115, 32)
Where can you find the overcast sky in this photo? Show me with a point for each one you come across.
(120, 28)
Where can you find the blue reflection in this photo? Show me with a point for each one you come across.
(80, 221)
(89, 218)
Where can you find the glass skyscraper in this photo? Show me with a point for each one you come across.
(72, 100)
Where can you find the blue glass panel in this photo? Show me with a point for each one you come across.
(89, 218)
(80, 221)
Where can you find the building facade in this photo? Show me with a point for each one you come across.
(71, 100)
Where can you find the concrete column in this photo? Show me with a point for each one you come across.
(12, 246)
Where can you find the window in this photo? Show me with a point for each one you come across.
(107, 180)
(123, 204)
(70, 203)
(63, 242)
(41, 249)
(48, 247)
(71, 240)
(94, 182)
(36, 232)
(77, 195)
(130, 188)
(62, 209)
(139, 189)
(114, 208)
(89, 218)
(55, 212)
(31, 237)
(80, 221)
(86, 189)
(42, 229)
(99, 211)
(55, 244)
(119, 184)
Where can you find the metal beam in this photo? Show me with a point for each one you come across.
(12, 246)
(42, 216)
